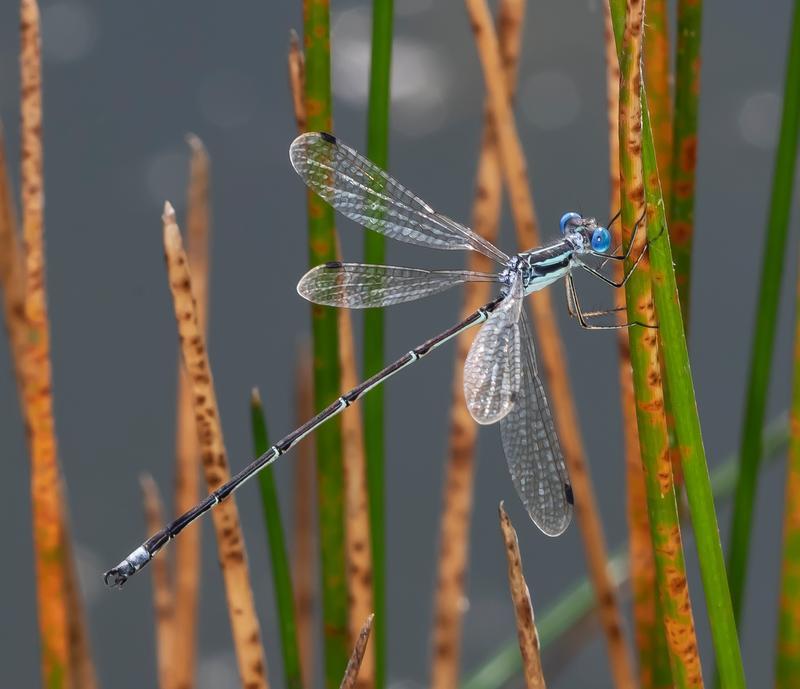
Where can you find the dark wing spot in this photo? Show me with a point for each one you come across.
(333, 265)
(568, 493)
(330, 138)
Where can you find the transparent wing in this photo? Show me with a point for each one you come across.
(361, 286)
(492, 371)
(363, 192)
(532, 450)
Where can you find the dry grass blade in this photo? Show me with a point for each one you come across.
(84, 675)
(648, 630)
(230, 540)
(523, 610)
(456, 512)
(12, 284)
(359, 554)
(187, 450)
(163, 602)
(552, 352)
(297, 80)
(304, 467)
(12, 266)
(46, 489)
(354, 664)
(303, 570)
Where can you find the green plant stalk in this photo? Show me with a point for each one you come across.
(325, 347)
(573, 607)
(787, 666)
(672, 587)
(656, 65)
(766, 320)
(654, 661)
(684, 145)
(373, 405)
(279, 558)
(677, 372)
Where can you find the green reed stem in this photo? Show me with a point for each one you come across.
(662, 508)
(787, 666)
(654, 659)
(375, 252)
(684, 145)
(569, 611)
(279, 558)
(677, 374)
(766, 320)
(330, 474)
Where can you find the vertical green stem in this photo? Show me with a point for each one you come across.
(684, 145)
(375, 252)
(665, 535)
(787, 670)
(279, 559)
(677, 373)
(766, 320)
(322, 248)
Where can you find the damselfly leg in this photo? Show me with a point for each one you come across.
(575, 311)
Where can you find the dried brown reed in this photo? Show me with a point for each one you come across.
(12, 285)
(12, 267)
(359, 554)
(81, 663)
(230, 540)
(163, 599)
(303, 569)
(187, 451)
(459, 476)
(552, 352)
(353, 665)
(35, 366)
(523, 610)
(297, 80)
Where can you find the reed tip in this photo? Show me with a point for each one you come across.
(195, 143)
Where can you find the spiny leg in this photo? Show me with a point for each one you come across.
(575, 311)
(622, 257)
(625, 278)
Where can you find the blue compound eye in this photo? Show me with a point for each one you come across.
(569, 221)
(601, 240)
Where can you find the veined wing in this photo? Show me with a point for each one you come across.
(532, 451)
(363, 192)
(360, 285)
(492, 371)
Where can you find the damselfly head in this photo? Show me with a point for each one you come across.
(585, 234)
(570, 222)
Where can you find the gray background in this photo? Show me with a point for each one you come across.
(125, 81)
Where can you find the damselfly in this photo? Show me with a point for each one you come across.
(501, 381)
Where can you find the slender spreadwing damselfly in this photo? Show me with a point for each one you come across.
(501, 381)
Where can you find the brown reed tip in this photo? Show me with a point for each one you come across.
(523, 609)
(169, 212)
(195, 143)
(230, 540)
(354, 664)
(255, 395)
